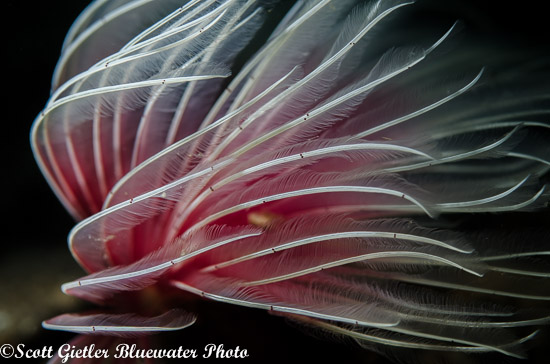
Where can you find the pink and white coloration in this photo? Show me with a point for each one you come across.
(297, 186)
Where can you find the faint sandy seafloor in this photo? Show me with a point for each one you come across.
(35, 259)
(30, 291)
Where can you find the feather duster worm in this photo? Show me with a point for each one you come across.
(297, 184)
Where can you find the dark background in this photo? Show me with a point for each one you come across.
(35, 259)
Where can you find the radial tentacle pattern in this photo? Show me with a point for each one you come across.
(305, 174)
